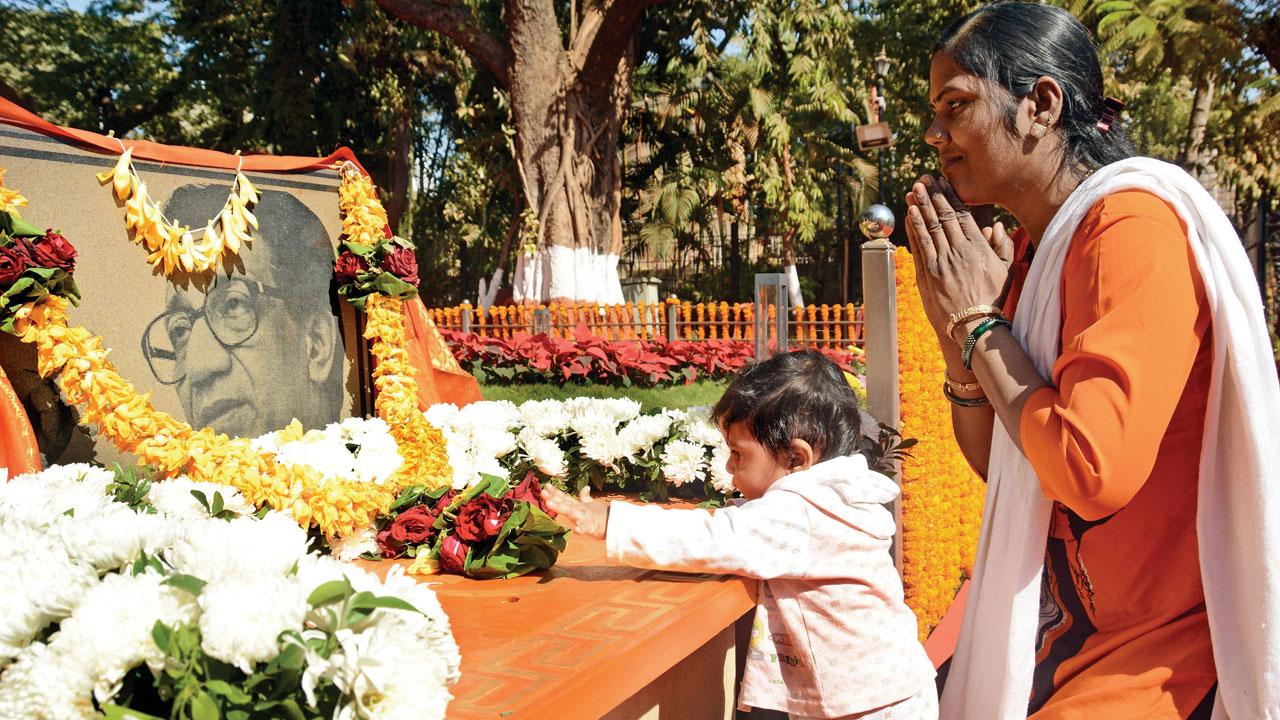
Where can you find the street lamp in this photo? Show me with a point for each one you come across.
(880, 63)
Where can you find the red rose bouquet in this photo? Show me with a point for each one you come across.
(389, 266)
(489, 530)
(33, 264)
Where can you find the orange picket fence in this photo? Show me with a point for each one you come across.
(831, 326)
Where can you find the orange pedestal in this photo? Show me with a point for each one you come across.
(579, 640)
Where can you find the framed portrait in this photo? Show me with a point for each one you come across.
(244, 349)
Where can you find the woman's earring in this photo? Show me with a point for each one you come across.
(1040, 127)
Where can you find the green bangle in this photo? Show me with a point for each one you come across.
(963, 402)
(966, 355)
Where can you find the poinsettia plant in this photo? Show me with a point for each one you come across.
(589, 358)
(489, 530)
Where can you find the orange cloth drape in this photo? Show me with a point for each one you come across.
(440, 378)
(18, 451)
(145, 150)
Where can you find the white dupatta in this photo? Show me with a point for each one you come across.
(1238, 514)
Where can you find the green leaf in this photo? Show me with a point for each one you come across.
(330, 592)
(228, 691)
(190, 583)
(160, 633)
(204, 707)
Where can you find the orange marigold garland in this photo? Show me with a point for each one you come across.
(942, 498)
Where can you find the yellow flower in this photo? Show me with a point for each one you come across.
(942, 499)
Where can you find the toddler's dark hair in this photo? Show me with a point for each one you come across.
(799, 395)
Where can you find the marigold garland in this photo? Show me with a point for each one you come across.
(942, 498)
(335, 506)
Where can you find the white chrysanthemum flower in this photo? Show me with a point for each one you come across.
(699, 428)
(617, 410)
(214, 549)
(440, 414)
(683, 462)
(243, 617)
(114, 537)
(360, 449)
(44, 585)
(605, 447)
(639, 435)
(721, 478)
(36, 499)
(544, 418)
(377, 457)
(44, 684)
(110, 631)
(544, 452)
(380, 671)
(352, 546)
(174, 497)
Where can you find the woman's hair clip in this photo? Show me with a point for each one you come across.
(1110, 107)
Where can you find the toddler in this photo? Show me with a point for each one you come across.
(832, 637)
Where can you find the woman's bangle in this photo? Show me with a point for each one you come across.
(966, 354)
(954, 385)
(968, 313)
(964, 402)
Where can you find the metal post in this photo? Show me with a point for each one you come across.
(466, 317)
(880, 334)
(541, 321)
(770, 289)
(673, 317)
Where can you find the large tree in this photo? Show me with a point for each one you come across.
(565, 70)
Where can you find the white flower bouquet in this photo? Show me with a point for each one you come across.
(133, 600)
(604, 443)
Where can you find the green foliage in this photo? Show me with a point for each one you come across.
(130, 486)
(650, 399)
(887, 449)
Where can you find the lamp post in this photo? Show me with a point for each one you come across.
(880, 63)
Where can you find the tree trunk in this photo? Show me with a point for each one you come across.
(567, 106)
(735, 261)
(1191, 156)
(402, 141)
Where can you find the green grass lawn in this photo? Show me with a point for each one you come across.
(705, 392)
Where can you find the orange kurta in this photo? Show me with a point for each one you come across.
(1115, 442)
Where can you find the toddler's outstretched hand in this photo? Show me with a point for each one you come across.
(583, 514)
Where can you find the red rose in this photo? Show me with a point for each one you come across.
(388, 547)
(413, 526)
(530, 490)
(54, 251)
(347, 266)
(482, 517)
(444, 501)
(402, 263)
(12, 262)
(453, 555)
(386, 232)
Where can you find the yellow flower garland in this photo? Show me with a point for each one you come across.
(942, 498)
(128, 419)
(171, 245)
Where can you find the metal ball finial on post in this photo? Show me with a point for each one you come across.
(877, 222)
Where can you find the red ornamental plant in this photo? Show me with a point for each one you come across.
(489, 530)
(541, 358)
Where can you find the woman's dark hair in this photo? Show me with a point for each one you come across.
(798, 395)
(1014, 44)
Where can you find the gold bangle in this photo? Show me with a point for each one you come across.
(955, 319)
(961, 386)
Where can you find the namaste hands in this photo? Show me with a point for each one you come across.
(959, 263)
(582, 514)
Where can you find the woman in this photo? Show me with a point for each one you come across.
(1132, 469)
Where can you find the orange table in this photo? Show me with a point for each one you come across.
(578, 640)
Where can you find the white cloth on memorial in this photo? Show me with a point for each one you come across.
(1238, 512)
